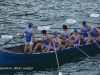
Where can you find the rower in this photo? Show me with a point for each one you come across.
(29, 38)
(45, 42)
(84, 30)
(75, 38)
(95, 34)
(55, 41)
(65, 35)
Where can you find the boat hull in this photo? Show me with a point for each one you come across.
(67, 55)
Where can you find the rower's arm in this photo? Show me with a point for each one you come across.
(90, 28)
(23, 32)
(98, 32)
(50, 38)
(78, 37)
(81, 30)
(52, 41)
(42, 39)
(89, 33)
(71, 37)
(33, 36)
(61, 35)
(59, 41)
(69, 34)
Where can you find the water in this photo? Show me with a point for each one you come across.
(15, 14)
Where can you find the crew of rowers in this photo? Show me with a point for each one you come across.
(65, 40)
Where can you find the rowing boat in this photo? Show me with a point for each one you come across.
(15, 55)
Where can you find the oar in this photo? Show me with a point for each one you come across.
(60, 73)
(11, 38)
(47, 28)
(94, 41)
(84, 53)
(68, 28)
(70, 21)
(81, 50)
(94, 15)
(43, 28)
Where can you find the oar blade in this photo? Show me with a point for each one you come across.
(94, 15)
(60, 73)
(18, 33)
(43, 28)
(71, 21)
(6, 36)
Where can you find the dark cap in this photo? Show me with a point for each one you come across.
(75, 30)
(54, 33)
(84, 22)
(30, 24)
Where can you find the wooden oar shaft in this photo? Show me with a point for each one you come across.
(70, 28)
(51, 33)
(63, 24)
(61, 28)
(10, 39)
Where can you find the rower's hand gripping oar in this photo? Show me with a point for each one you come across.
(60, 73)
(10, 39)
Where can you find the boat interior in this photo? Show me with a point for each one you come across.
(20, 49)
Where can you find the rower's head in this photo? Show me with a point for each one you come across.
(54, 34)
(30, 25)
(75, 31)
(64, 27)
(44, 32)
(84, 23)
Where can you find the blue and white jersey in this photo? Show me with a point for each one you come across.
(45, 42)
(85, 30)
(28, 35)
(95, 32)
(65, 34)
(56, 41)
(78, 41)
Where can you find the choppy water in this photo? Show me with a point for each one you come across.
(15, 14)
